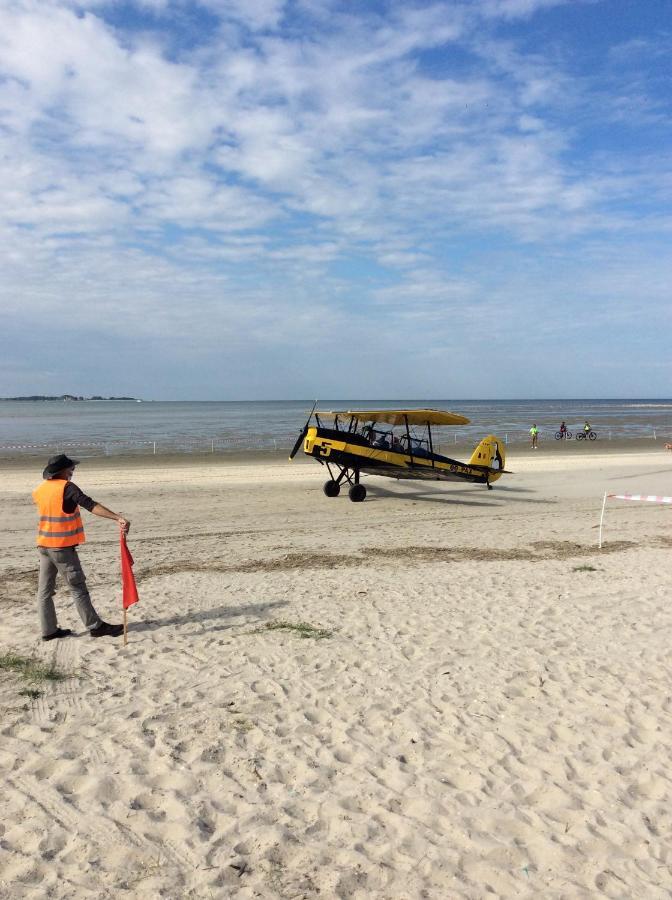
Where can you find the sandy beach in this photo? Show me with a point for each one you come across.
(442, 692)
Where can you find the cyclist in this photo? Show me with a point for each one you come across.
(563, 430)
(587, 429)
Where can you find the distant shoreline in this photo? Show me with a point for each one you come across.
(67, 398)
(373, 403)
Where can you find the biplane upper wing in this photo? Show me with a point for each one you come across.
(399, 416)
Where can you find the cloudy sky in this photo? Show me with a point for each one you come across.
(269, 199)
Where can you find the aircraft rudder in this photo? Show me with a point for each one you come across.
(490, 452)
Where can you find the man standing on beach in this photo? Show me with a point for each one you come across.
(59, 531)
(534, 434)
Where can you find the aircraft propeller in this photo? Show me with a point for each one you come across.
(302, 435)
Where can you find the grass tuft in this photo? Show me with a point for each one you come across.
(242, 725)
(33, 670)
(301, 628)
(31, 693)
(584, 569)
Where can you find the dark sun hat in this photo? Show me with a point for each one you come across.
(56, 464)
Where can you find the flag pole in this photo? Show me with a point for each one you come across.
(123, 538)
(129, 591)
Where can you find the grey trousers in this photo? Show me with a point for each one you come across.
(66, 561)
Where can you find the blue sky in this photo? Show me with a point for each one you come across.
(260, 199)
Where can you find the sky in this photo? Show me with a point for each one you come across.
(288, 199)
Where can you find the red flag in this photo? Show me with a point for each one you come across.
(130, 591)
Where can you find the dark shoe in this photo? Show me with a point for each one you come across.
(107, 630)
(59, 633)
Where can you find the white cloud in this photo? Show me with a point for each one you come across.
(298, 163)
(514, 9)
(256, 14)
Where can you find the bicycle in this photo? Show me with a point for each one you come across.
(559, 435)
(586, 435)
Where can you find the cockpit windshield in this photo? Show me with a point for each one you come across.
(397, 440)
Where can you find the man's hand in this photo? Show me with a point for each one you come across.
(105, 513)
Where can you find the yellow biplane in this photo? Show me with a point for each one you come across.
(352, 442)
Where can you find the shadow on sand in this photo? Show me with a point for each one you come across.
(646, 472)
(208, 615)
(460, 497)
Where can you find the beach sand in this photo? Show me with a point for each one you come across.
(483, 706)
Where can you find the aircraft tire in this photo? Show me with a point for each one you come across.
(357, 493)
(331, 488)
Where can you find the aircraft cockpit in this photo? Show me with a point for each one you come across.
(419, 446)
(387, 440)
(380, 440)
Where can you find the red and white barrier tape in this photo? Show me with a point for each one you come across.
(652, 498)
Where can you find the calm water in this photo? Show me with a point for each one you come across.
(95, 427)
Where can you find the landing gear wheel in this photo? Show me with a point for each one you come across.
(357, 493)
(489, 486)
(331, 488)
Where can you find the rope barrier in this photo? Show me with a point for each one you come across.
(165, 444)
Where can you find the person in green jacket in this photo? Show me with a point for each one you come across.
(534, 434)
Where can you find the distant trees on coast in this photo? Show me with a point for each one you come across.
(66, 397)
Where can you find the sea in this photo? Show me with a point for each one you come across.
(111, 427)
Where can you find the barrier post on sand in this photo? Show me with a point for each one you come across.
(604, 503)
(648, 498)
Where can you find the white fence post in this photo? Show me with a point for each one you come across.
(604, 503)
(154, 442)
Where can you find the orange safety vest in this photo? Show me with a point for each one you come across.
(56, 528)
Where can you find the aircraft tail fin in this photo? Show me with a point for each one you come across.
(490, 452)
